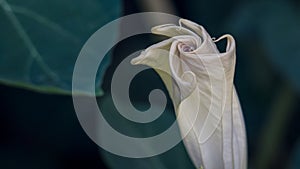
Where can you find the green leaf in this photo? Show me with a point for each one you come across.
(40, 40)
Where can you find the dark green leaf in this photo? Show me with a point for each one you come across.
(40, 40)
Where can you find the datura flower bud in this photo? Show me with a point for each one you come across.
(201, 81)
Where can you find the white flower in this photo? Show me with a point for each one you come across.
(201, 82)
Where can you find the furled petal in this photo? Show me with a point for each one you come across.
(201, 77)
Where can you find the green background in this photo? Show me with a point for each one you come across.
(39, 128)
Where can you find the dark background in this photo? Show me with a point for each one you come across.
(42, 131)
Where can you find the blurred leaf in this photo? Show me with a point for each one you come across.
(277, 25)
(175, 158)
(295, 161)
(40, 40)
(280, 34)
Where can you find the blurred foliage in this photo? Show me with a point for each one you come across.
(295, 160)
(40, 40)
(277, 25)
(162, 161)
